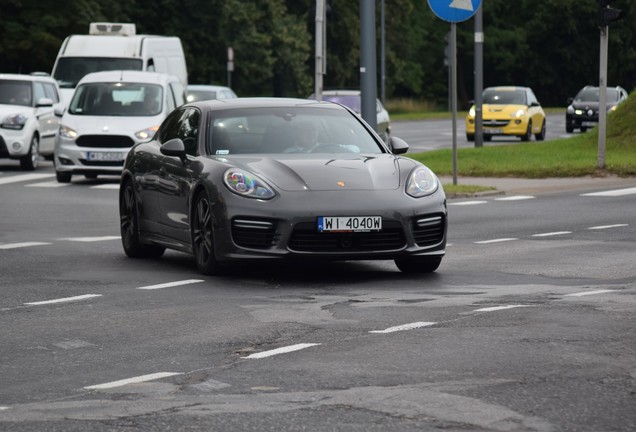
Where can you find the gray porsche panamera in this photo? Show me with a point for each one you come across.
(283, 179)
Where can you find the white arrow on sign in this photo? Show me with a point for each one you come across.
(462, 4)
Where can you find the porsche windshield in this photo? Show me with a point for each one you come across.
(289, 130)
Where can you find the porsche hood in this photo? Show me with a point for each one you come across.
(318, 172)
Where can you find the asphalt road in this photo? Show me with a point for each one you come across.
(528, 325)
(426, 135)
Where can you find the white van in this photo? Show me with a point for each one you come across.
(116, 46)
(109, 113)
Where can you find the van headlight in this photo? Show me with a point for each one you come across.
(422, 182)
(147, 133)
(67, 132)
(14, 121)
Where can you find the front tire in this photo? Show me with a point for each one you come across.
(528, 135)
(29, 162)
(203, 237)
(541, 135)
(418, 264)
(63, 177)
(129, 227)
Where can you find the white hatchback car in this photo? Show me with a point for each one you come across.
(109, 113)
(27, 121)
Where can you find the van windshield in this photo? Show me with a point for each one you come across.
(117, 99)
(70, 70)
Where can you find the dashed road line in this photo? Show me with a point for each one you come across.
(613, 193)
(134, 380)
(23, 178)
(499, 240)
(282, 350)
(498, 308)
(550, 234)
(106, 186)
(467, 203)
(21, 245)
(515, 198)
(171, 284)
(63, 300)
(404, 327)
(587, 293)
(602, 227)
(90, 239)
(51, 184)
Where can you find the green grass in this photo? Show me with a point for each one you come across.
(569, 157)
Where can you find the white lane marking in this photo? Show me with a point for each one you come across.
(515, 198)
(600, 227)
(171, 284)
(497, 308)
(90, 239)
(106, 186)
(549, 234)
(404, 327)
(499, 240)
(281, 350)
(467, 203)
(51, 184)
(62, 300)
(21, 245)
(617, 192)
(134, 380)
(587, 293)
(24, 177)
(2, 408)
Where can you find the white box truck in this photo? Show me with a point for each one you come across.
(116, 46)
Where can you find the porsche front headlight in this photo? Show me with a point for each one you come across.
(246, 184)
(422, 182)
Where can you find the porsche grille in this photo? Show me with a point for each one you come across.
(255, 234)
(305, 238)
(428, 231)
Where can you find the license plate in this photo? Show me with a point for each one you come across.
(105, 156)
(349, 223)
(588, 124)
(493, 131)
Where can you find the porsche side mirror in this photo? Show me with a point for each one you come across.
(175, 148)
(398, 145)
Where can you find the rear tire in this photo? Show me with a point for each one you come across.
(29, 162)
(203, 237)
(569, 129)
(129, 227)
(418, 264)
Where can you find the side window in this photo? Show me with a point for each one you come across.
(170, 100)
(39, 92)
(170, 127)
(189, 130)
(51, 92)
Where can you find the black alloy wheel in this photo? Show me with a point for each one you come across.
(129, 227)
(203, 237)
(418, 264)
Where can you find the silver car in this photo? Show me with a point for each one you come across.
(108, 114)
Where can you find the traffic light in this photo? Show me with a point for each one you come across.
(606, 14)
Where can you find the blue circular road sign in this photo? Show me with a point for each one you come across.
(454, 10)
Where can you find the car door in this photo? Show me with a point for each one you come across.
(45, 118)
(176, 176)
(535, 111)
(47, 143)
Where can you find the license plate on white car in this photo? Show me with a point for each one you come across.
(349, 223)
(105, 156)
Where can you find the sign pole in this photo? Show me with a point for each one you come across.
(453, 64)
(602, 103)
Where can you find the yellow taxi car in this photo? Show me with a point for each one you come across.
(509, 111)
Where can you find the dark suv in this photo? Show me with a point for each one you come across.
(582, 111)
